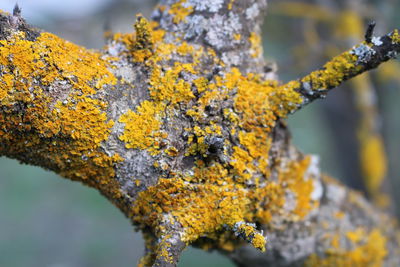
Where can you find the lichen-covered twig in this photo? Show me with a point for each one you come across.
(359, 59)
(164, 251)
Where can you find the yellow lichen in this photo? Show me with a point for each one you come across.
(64, 129)
(249, 233)
(168, 88)
(180, 11)
(258, 242)
(201, 209)
(368, 250)
(144, 44)
(300, 185)
(332, 73)
(339, 215)
(142, 128)
(230, 4)
(356, 236)
(255, 42)
(144, 37)
(395, 37)
(237, 36)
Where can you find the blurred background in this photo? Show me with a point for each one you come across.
(47, 221)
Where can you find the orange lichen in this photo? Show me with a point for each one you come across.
(300, 185)
(144, 38)
(335, 242)
(168, 87)
(368, 250)
(248, 232)
(151, 249)
(64, 129)
(200, 208)
(356, 236)
(339, 215)
(127, 39)
(395, 37)
(230, 4)
(332, 73)
(163, 247)
(180, 11)
(237, 36)
(140, 45)
(349, 25)
(255, 42)
(216, 196)
(143, 44)
(208, 200)
(142, 127)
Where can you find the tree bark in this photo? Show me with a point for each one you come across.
(181, 126)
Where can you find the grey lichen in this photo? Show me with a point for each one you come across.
(307, 88)
(363, 52)
(376, 41)
(252, 11)
(205, 5)
(221, 30)
(195, 26)
(392, 54)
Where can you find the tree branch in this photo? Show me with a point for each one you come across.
(357, 60)
(187, 142)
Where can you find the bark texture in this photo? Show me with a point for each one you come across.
(181, 125)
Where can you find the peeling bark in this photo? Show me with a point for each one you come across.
(180, 127)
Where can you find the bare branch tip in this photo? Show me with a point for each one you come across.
(107, 31)
(107, 25)
(139, 16)
(370, 31)
(17, 10)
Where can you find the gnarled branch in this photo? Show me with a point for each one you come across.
(177, 125)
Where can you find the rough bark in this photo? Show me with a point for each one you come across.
(181, 126)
